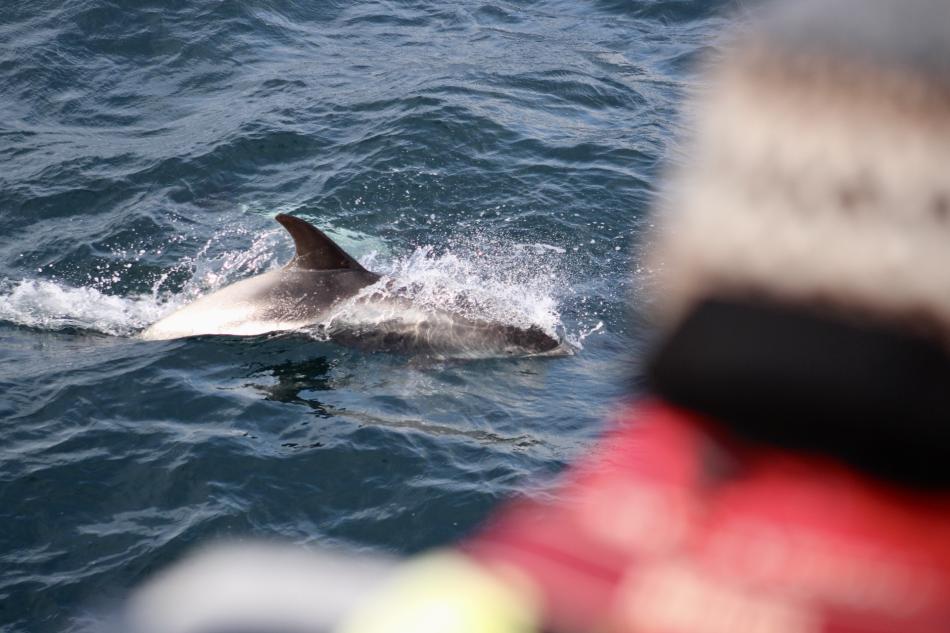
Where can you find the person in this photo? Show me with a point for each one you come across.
(789, 469)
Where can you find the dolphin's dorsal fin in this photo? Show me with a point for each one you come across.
(315, 251)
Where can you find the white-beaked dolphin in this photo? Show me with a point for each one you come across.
(307, 291)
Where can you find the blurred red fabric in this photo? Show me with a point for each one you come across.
(673, 526)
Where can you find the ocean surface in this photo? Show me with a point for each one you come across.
(506, 152)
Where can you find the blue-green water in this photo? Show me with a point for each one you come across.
(506, 149)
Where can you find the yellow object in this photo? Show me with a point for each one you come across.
(445, 592)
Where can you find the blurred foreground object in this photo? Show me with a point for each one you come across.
(790, 472)
(254, 588)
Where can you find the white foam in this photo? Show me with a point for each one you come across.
(50, 306)
(53, 305)
(480, 279)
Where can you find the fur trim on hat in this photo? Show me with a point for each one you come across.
(820, 170)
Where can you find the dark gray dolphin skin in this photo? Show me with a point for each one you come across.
(321, 275)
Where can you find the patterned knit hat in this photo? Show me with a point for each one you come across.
(819, 174)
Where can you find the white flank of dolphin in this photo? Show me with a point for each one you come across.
(229, 311)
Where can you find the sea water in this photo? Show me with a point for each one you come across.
(499, 154)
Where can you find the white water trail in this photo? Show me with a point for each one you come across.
(50, 304)
(47, 305)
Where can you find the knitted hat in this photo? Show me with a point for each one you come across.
(819, 173)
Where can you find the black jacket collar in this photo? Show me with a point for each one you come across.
(871, 396)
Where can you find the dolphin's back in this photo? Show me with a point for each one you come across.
(453, 337)
(394, 325)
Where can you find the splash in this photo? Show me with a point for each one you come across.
(478, 296)
(497, 282)
(48, 305)
(212, 268)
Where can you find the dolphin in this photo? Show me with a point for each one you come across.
(308, 291)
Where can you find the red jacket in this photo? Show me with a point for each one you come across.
(674, 526)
